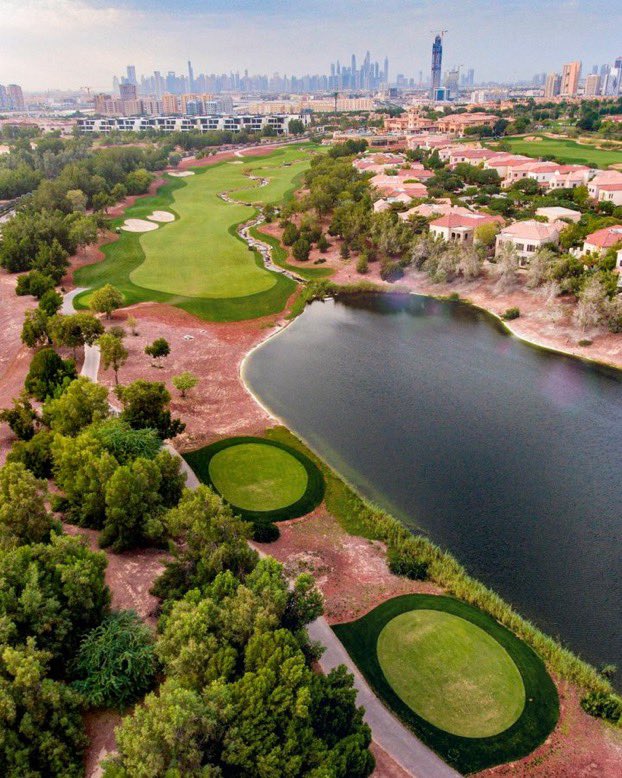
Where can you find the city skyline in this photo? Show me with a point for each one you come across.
(104, 35)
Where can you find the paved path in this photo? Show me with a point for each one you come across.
(391, 735)
(68, 298)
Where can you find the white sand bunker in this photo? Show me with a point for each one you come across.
(182, 173)
(161, 216)
(138, 225)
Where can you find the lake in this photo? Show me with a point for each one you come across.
(507, 455)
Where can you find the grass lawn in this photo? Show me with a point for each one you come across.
(431, 657)
(439, 675)
(260, 478)
(257, 477)
(198, 262)
(564, 150)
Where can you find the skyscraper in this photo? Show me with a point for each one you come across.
(592, 85)
(15, 97)
(386, 70)
(131, 74)
(571, 73)
(437, 59)
(552, 85)
(190, 77)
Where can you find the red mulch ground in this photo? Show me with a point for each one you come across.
(14, 356)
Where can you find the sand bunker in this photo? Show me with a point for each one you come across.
(161, 216)
(138, 225)
(182, 173)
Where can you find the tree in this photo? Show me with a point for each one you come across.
(77, 199)
(301, 249)
(138, 181)
(133, 506)
(184, 382)
(42, 728)
(590, 309)
(35, 454)
(23, 515)
(470, 262)
(508, 263)
(290, 234)
(295, 127)
(132, 323)
(106, 300)
(74, 330)
(145, 404)
(540, 266)
(35, 328)
(21, 417)
(486, 234)
(126, 444)
(35, 283)
(50, 302)
(48, 374)
(116, 664)
(158, 350)
(53, 592)
(82, 403)
(113, 353)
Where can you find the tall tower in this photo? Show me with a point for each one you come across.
(190, 77)
(131, 74)
(386, 70)
(437, 59)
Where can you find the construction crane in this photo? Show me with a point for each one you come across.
(439, 32)
(87, 89)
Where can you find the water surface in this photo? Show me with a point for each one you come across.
(504, 454)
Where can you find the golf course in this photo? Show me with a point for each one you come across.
(468, 687)
(564, 150)
(197, 261)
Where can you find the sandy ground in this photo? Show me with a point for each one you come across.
(180, 173)
(161, 216)
(138, 225)
(219, 405)
(14, 356)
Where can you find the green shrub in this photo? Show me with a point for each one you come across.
(266, 532)
(35, 454)
(454, 297)
(362, 265)
(511, 313)
(116, 663)
(585, 342)
(402, 561)
(603, 706)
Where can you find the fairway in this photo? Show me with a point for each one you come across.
(451, 673)
(256, 477)
(564, 150)
(198, 262)
(466, 685)
(260, 478)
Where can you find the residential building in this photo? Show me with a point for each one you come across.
(15, 97)
(571, 73)
(227, 123)
(529, 236)
(610, 193)
(602, 240)
(552, 86)
(127, 91)
(457, 124)
(558, 213)
(460, 227)
(601, 179)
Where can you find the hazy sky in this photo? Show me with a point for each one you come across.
(73, 43)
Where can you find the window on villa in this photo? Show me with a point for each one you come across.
(530, 247)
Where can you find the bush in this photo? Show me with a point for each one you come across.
(391, 271)
(266, 532)
(290, 234)
(585, 342)
(402, 561)
(49, 374)
(603, 706)
(35, 283)
(116, 663)
(35, 454)
(362, 265)
(511, 313)
(301, 249)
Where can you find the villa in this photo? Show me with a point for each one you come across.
(460, 227)
(602, 240)
(529, 236)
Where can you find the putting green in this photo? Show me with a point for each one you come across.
(451, 673)
(258, 477)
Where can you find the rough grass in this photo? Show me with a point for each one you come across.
(451, 672)
(467, 754)
(564, 150)
(258, 477)
(312, 496)
(213, 277)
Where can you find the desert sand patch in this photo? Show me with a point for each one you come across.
(161, 216)
(138, 225)
(182, 173)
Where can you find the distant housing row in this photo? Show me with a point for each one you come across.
(217, 122)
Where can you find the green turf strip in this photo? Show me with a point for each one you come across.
(198, 262)
(467, 754)
(564, 150)
(258, 477)
(451, 672)
(277, 476)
